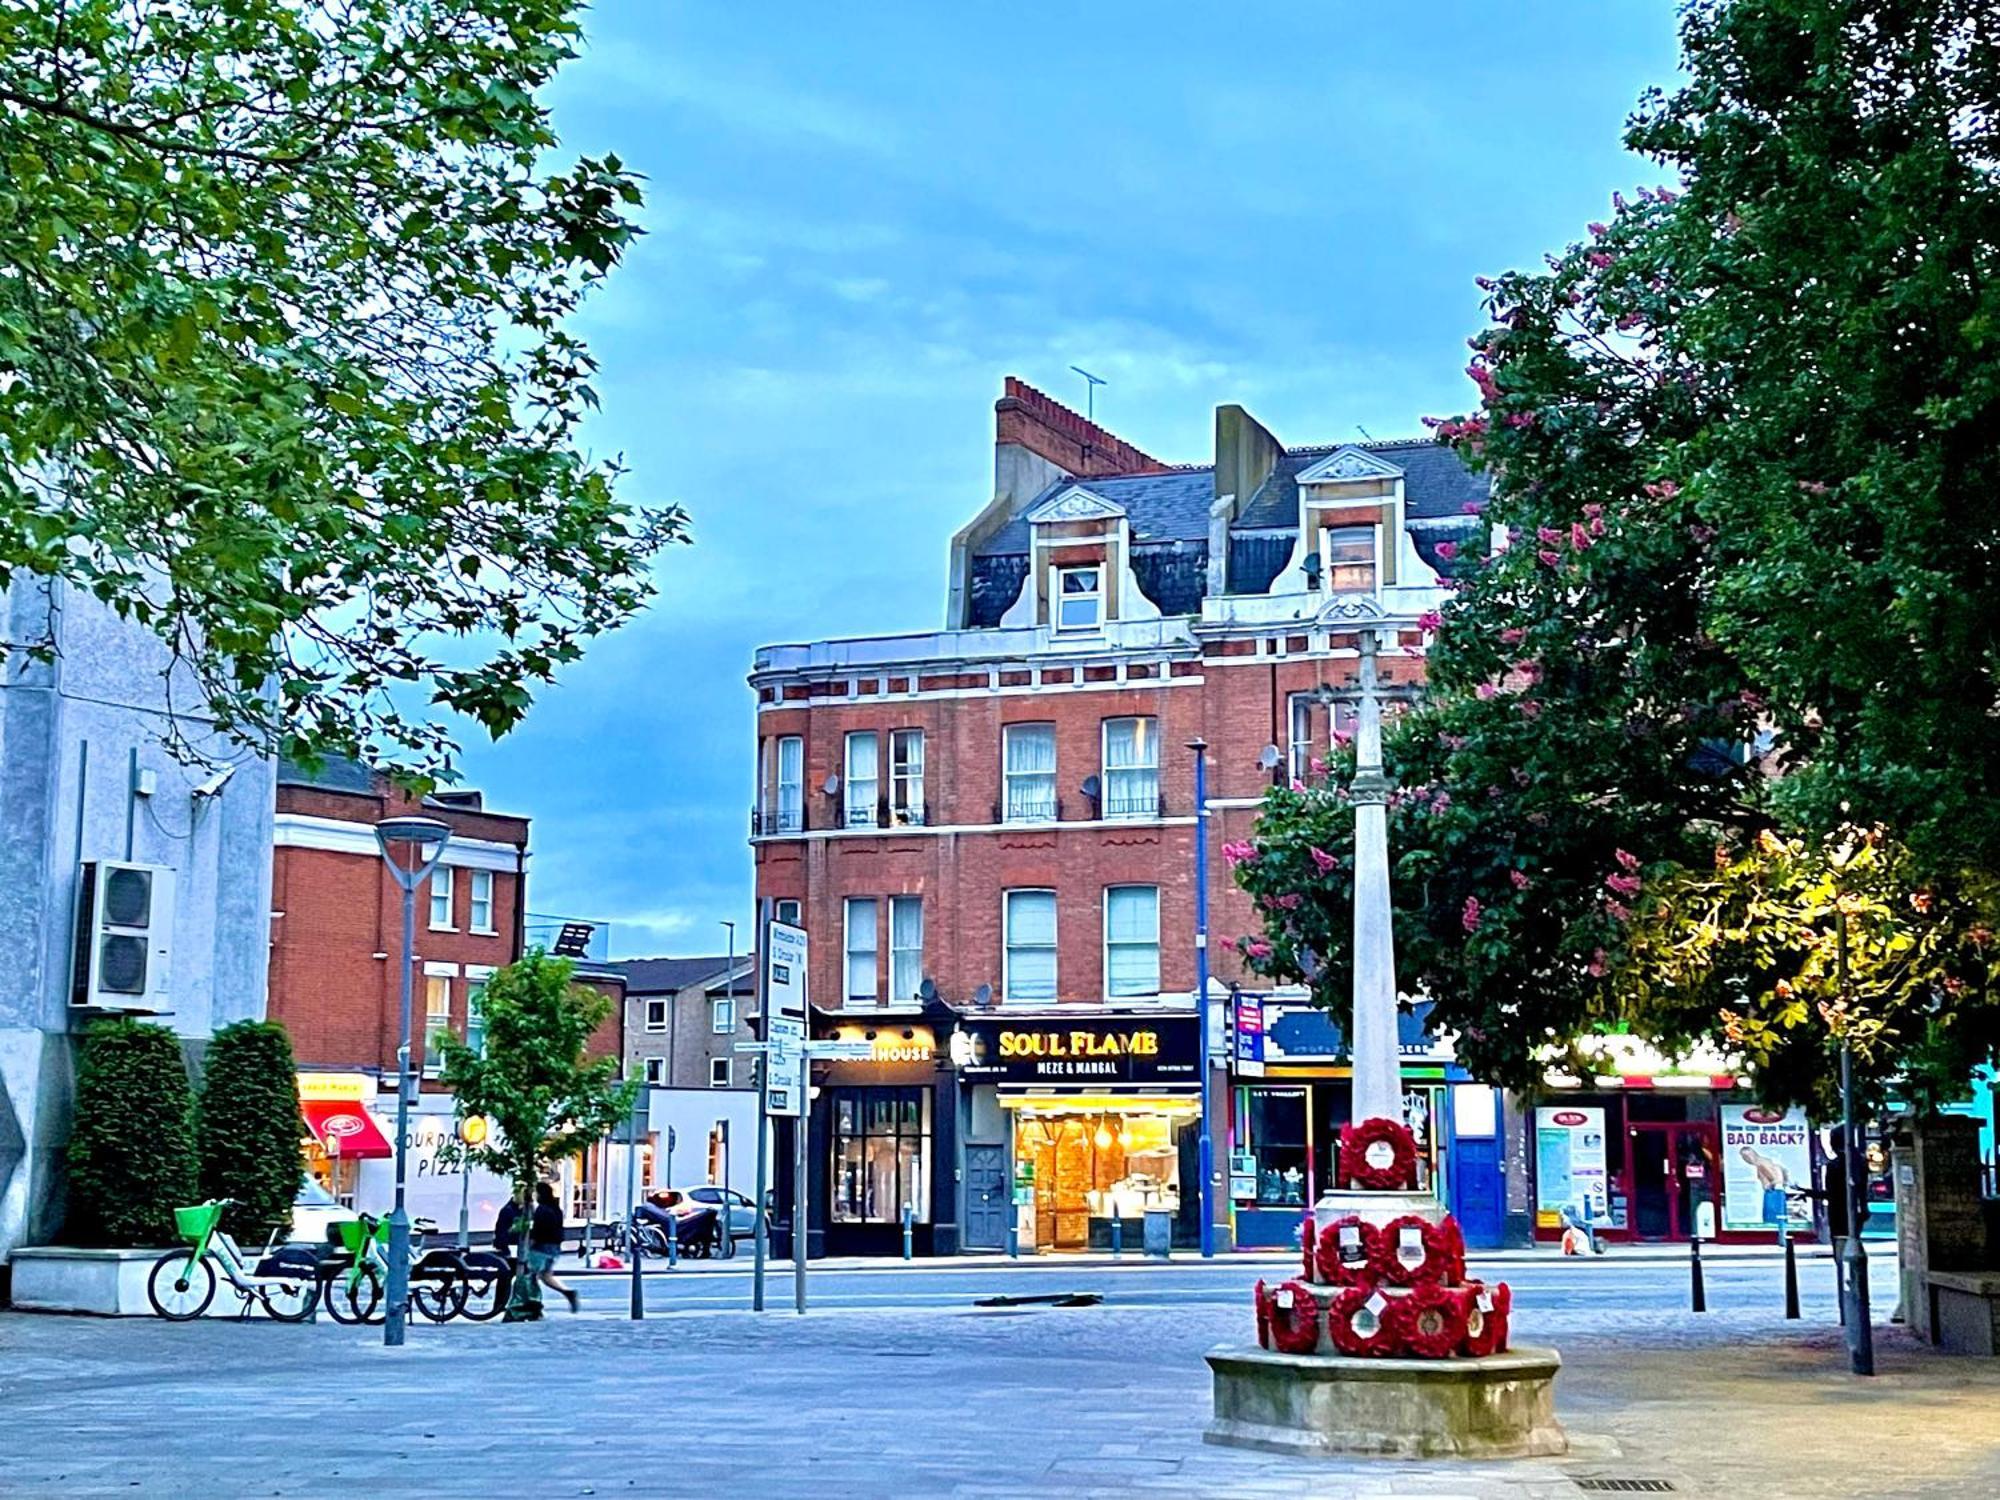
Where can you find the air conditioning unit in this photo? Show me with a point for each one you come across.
(124, 936)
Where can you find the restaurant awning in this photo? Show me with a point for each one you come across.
(345, 1128)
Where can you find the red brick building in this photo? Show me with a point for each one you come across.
(989, 830)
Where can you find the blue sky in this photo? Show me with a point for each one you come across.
(860, 218)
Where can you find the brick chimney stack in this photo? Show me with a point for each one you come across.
(1072, 442)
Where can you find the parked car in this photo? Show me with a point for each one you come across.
(742, 1212)
(314, 1212)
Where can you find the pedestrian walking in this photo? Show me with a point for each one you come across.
(545, 1237)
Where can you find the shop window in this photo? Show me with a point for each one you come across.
(881, 1154)
(864, 779)
(440, 883)
(906, 778)
(1030, 969)
(1029, 755)
(1132, 940)
(1089, 1167)
(906, 948)
(1277, 1145)
(861, 950)
(1131, 768)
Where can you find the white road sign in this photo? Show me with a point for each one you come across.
(850, 1051)
(785, 970)
(784, 1066)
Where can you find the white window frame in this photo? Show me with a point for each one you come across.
(656, 1070)
(476, 976)
(1327, 564)
(790, 811)
(1094, 595)
(1009, 777)
(785, 904)
(1109, 992)
(1144, 809)
(665, 1003)
(442, 887)
(722, 1014)
(719, 1073)
(1007, 946)
(903, 991)
(872, 997)
(1299, 746)
(860, 811)
(440, 974)
(906, 779)
(481, 894)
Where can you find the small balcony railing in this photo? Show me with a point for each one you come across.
(1028, 806)
(771, 822)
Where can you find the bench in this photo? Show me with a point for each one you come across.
(1965, 1311)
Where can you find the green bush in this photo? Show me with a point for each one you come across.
(131, 1153)
(248, 1130)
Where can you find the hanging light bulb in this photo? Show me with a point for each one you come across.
(1124, 1135)
(1103, 1137)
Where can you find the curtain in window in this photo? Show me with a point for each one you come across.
(791, 783)
(1031, 945)
(861, 950)
(864, 779)
(1132, 939)
(906, 771)
(1031, 771)
(1131, 768)
(906, 947)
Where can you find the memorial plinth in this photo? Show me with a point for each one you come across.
(1498, 1406)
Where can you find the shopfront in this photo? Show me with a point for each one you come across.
(1292, 1094)
(1098, 1118)
(1667, 1157)
(342, 1133)
(882, 1123)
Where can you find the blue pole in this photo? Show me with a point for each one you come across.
(1200, 748)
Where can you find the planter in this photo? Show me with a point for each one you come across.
(108, 1283)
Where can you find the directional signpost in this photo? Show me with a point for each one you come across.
(782, 980)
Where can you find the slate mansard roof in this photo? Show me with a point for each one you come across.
(1169, 517)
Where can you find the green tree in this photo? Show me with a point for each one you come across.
(1735, 595)
(285, 373)
(131, 1151)
(532, 1076)
(248, 1128)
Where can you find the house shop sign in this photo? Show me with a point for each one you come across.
(1094, 1050)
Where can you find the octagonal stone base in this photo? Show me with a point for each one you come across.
(1502, 1406)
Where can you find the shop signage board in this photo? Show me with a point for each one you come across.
(840, 1051)
(1101, 1050)
(1570, 1165)
(1249, 1028)
(1763, 1152)
(785, 1020)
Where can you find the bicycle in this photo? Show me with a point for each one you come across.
(440, 1289)
(182, 1282)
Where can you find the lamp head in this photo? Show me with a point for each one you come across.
(426, 838)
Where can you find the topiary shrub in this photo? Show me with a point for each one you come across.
(249, 1133)
(131, 1151)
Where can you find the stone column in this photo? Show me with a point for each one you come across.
(1378, 1088)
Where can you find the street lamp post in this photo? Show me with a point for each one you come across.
(426, 839)
(1853, 1257)
(640, 1102)
(1200, 748)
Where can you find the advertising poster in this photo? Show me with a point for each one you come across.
(1570, 1170)
(1763, 1153)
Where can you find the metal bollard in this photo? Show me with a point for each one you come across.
(1791, 1279)
(909, 1231)
(1013, 1238)
(1117, 1235)
(1697, 1293)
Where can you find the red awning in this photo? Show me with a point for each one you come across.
(345, 1128)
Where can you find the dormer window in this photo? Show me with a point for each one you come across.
(1347, 558)
(1079, 598)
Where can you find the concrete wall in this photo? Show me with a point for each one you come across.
(69, 729)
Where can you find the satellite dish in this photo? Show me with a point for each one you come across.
(1268, 757)
(983, 996)
(927, 991)
(832, 784)
(1089, 787)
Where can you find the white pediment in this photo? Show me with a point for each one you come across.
(1349, 464)
(1075, 504)
(1348, 609)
